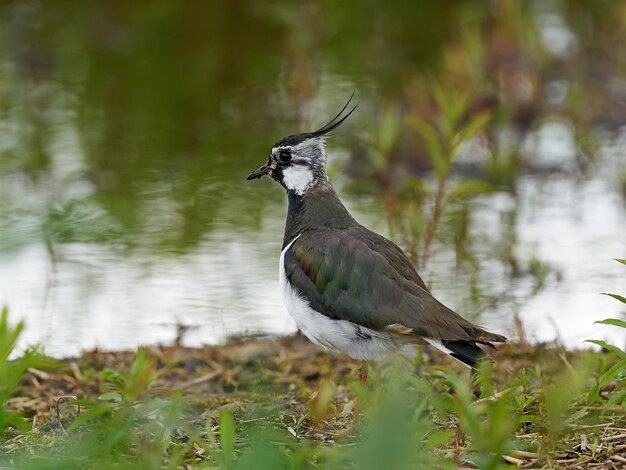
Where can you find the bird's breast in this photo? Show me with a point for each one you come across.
(343, 336)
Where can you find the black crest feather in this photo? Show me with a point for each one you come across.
(334, 122)
(295, 139)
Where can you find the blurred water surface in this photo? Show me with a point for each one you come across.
(127, 131)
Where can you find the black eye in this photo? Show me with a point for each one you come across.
(284, 155)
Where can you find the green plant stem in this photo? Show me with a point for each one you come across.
(436, 217)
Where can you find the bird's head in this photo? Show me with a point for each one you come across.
(299, 161)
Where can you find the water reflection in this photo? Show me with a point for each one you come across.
(99, 295)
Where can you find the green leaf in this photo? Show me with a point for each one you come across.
(529, 419)
(612, 373)
(617, 398)
(469, 188)
(14, 419)
(110, 396)
(227, 437)
(88, 415)
(608, 347)
(433, 144)
(8, 334)
(574, 417)
(140, 377)
(619, 260)
(389, 129)
(440, 438)
(612, 321)
(475, 124)
(616, 296)
(112, 376)
(594, 394)
(452, 105)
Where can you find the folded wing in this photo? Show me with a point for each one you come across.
(354, 274)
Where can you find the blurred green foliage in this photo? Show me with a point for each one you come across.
(427, 415)
(12, 371)
(109, 107)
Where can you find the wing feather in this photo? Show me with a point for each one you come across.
(354, 274)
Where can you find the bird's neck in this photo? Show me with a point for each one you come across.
(318, 207)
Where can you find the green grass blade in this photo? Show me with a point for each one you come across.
(227, 438)
(612, 321)
(616, 296)
(608, 347)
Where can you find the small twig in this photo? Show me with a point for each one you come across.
(495, 396)
(525, 454)
(513, 460)
(615, 408)
(616, 437)
(618, 458)
(203, 378)
(59, 401)
(580, 463)
(76, 371)
(40, 374)
(590, 426)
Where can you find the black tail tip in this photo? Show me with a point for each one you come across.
(467, 352)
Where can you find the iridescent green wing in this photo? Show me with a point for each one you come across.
(354, 274)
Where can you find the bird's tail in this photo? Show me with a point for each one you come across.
(465, 351)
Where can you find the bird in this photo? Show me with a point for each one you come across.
(349, 289)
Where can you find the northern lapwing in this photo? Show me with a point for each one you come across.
(347, 288)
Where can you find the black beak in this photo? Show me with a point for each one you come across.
(264, 170)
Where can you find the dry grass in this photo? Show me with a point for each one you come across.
(290, 386)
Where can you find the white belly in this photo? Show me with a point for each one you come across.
(338, 335)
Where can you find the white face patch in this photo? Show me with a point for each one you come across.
(301, 165)
(297, 178)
